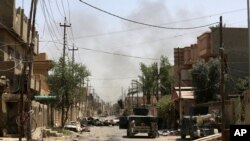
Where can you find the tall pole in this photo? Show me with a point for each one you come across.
(25, 76)
(20, 127)
(30, 64)
(73, 56)
(222, 83)
(179, 74)
(137, 91)
(65, 94)
(248, 15)
(92, 102)
(86, 102)
(158, 81)
(73, 60)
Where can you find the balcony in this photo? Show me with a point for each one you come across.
(10, 68)
(39, 84)
(205, 53)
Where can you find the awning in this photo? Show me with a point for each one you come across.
(44, 98)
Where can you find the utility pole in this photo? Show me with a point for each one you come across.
(73, 56)
(31, 49)
(73, 60)
(65, 94)
(222, 83)
(92, 102)
(158, 81)
(248, 15)
(27, 75)
(179, 74)
(86, 102)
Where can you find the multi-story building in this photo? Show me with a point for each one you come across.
(207, 46)
(235, 48)
(13, 39)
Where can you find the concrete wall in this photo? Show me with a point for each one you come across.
(237, 52)
(7, 10)
(246, 102)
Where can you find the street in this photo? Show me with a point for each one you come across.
(113, 133)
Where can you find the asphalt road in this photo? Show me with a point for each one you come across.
(112, 133)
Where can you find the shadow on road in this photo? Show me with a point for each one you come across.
(179, 139)
(137, 137)
(146, 137)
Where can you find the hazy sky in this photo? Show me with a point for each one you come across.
(92, 29)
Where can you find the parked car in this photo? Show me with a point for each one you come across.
(114, 121)
(73, 126)
(85, 128)
(106, 122)
(98, 122)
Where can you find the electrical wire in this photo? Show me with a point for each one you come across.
(17, 64)
(111, 79)
(51, 31)
(146, 24)
(69, 10)
(63, 8)
(59, 8)
(141, 28)
(111, 53)
(118, 54)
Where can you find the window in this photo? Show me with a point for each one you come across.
(1, 55)
(10, 54)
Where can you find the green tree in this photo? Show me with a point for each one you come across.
(148, 81)
(66, 87)
(165, 79)
(205, 78)
(165, 108)
(242, 84)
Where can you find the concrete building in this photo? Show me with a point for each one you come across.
(13, 36)
(207, 46)
(187, 99)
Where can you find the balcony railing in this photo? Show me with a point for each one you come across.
(9, 68)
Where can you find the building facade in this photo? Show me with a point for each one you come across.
(13, 39)
(207, 46)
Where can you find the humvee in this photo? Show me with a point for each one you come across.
(139, 123)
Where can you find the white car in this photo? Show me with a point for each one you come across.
(73, 126)
(115, 121)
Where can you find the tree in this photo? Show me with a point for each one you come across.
(148, 81)
(205, 78)
(165, 79)
(165, 108)
(66, 87)
(242, 84)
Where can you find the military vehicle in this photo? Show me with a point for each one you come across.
(140, 122)
(198, 124)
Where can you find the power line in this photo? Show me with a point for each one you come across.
(111, 53)
(112, 78)
(118, 54)
(63, 8)
(146, 24)
(141, 28)
(59, 9)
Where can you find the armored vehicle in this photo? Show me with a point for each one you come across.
(140, 122)
(198, 124)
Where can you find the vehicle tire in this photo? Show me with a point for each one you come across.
(129, 134)
(154, 134)
(192, 137)
(183, 136)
